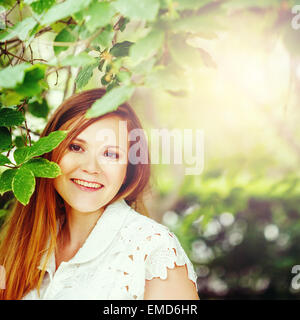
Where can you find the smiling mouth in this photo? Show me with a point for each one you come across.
(87, 185)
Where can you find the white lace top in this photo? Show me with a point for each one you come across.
(123, 250)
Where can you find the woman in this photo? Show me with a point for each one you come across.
(86, 233)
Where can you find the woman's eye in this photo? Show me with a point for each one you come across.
(74, 147)
(112, 155)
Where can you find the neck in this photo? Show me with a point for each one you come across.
(78, 226)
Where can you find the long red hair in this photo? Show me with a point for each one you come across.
(27, 229)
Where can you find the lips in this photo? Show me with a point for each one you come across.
(87, 185)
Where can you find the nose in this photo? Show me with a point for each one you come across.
(91, 165)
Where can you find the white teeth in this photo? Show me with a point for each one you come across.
(86, 184)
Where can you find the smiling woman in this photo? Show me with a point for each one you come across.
(86, 234)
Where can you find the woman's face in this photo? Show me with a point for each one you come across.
(94, 165)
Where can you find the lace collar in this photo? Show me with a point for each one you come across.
(103, 233)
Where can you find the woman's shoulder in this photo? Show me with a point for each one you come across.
(143, 225)
(158, 245)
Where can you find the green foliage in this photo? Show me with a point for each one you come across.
(5, 139)
(6, 179)
(39, 110)
(65, 35)
(145, 48)
(43, 168)
(23, 184)
(110, 101)
(138, 9)
(43, 145)
(10, 117)
(85, 75)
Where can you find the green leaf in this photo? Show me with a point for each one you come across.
(3, 160)
(5, 139)
(22, 154)
(121, 49)
(81, 59)
(10, 77)
(64, 35)
(43, 168)
(10, 117)
(6, 180)
(110, 101)
(20, 30)
(39, 110)
(85, 75)
(99, 15)
(105, 37)
(43, 145)
(64, 10)
(48, 143)
(124, 77)
(11, 98)
(7, 3)
(20, 141)
(146, 47)
(23, 185)
(42, 5)
(31, 84)
(138, 9)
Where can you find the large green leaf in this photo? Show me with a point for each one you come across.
(23, 184)
(3, 160)
(43, 145)
(20, 30)
(99, 15)
(43, 168)
(110, 101)
(10, 77)
(22, 154)
(5, 139)
(6, 180)
(63, 10)
(10, 117)
(138, 9)
(146, 47)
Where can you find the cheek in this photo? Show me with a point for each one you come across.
(115, 173)
(67, 164)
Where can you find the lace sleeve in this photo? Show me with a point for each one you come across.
(165, 251)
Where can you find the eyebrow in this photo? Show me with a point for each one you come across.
(83, 141)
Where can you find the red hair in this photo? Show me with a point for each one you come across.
(30, 230)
